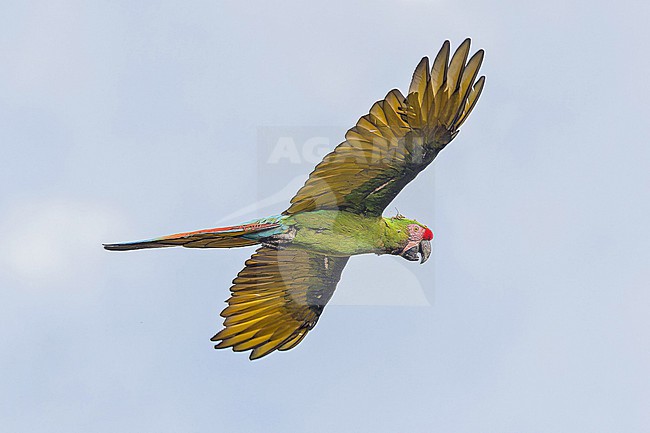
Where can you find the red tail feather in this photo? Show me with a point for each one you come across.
(219, 237)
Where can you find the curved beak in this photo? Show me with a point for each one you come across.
(425, 250)
(411, 251)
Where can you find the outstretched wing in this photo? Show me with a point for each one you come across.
(398, 138)
(277, 298)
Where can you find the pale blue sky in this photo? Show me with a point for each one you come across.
(126, 120)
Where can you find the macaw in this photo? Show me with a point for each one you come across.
(280, 294)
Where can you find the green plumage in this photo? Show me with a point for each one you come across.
(342, 233)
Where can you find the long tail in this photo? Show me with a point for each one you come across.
(250, 233)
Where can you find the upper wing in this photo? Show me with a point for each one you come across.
(398, 138)
(277, 298)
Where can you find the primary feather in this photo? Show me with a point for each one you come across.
(397, 139)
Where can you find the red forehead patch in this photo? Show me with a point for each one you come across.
(428, 235)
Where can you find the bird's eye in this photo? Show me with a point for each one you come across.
(416, 229)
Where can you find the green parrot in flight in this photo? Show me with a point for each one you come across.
(281, 292)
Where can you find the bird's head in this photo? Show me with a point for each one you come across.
(419, 238)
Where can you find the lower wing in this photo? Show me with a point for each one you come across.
(277, 298)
